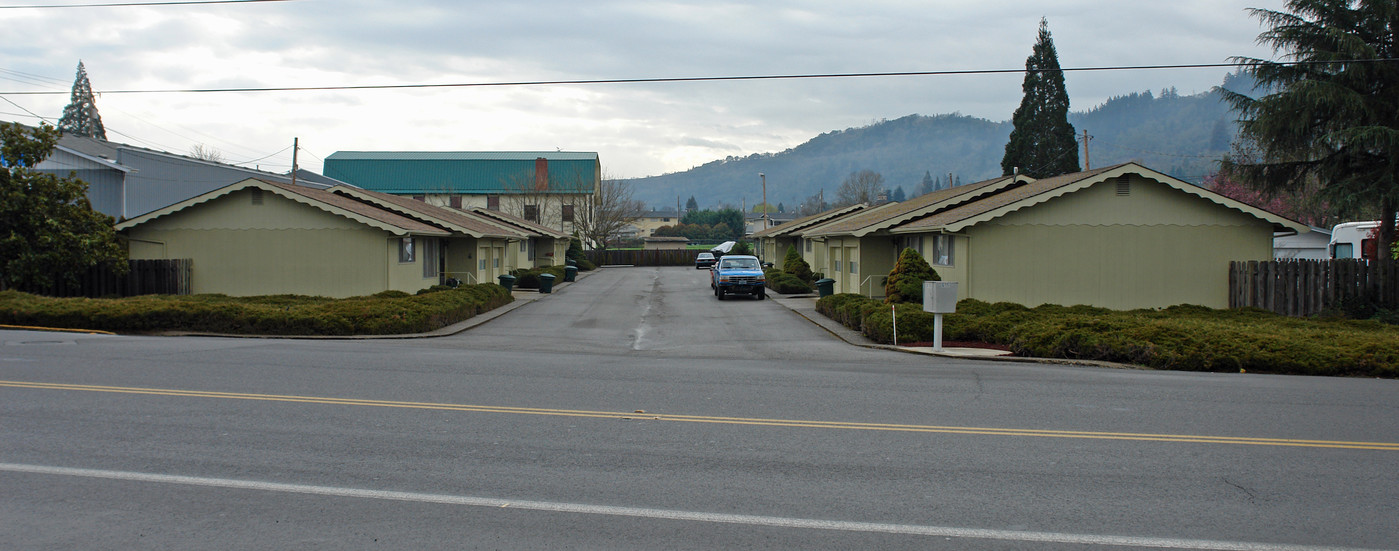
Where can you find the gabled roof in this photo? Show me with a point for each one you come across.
(453, 219)
(808, 221)
(892, 214)
(520, 223)
(1010, 200)
(338, 205)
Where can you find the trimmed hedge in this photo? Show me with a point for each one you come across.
(385, 313)
(1189, 338)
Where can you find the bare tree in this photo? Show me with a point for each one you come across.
(206, 153)
(554, 200)
(610, 209)
(859, 187)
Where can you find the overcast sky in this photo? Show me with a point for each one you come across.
(637, 129)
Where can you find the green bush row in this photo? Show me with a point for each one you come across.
(1190, 338)
(386, 313)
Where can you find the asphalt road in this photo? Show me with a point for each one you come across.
(632, 410)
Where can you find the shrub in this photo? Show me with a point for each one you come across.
(528, 278)
(575, 253)
(388, 312)
(785, 283)
(905, 283)
(1192, 338)
(794, 264)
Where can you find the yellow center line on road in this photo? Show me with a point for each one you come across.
(794, 423)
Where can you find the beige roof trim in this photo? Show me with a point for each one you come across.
(808, 221)
(1080, 181)
(894, 214)
(382, 219)
(529, 228)
(459, 221)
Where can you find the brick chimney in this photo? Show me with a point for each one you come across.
(541, 174)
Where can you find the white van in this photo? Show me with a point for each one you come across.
(1354, 240)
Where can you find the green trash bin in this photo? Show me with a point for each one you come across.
(570, 273)
(824, 287)
(507, 281)
(546, 283)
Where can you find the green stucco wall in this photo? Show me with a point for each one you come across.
(1155, 247)
(278, 247)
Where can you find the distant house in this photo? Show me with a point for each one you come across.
(126, 181)
(1123, 237)
(257, 237)
(544, 187)
(652, 220)
(753, 221)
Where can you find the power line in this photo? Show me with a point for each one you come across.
(133, 4)
(690, 79)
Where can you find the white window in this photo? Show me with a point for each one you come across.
(853, 266)
(430, 255)
(405, 250)
(943, 254)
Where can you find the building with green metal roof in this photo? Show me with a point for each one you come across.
(540, 186)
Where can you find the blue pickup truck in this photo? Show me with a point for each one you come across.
(738, 274)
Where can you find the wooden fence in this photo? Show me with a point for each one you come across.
(634, 257)
(145, 277)
(1306, 287)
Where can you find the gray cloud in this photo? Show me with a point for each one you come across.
(638, 129)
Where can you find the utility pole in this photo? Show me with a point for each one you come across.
(294, 149)
(1086, 137)
(765, 199)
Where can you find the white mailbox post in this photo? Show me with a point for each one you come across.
(939, 297)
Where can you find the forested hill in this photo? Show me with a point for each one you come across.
(1180, 135)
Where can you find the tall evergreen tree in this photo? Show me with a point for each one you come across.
(1042, 143)
(691, 205)
(898, 195)
(80, 117)
(928, 185)
(1331, 117)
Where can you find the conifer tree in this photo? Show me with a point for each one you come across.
(80, 117)
(1042, 144)
(905, 283)
(1330, 121)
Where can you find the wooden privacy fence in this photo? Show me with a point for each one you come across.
(1306, 287)
(634, 257)
(145, 277)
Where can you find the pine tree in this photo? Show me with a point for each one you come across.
(691, 205)
(1042, 144)
(1330, 120)
(898, 195)
(928, 185)
(80, 117)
